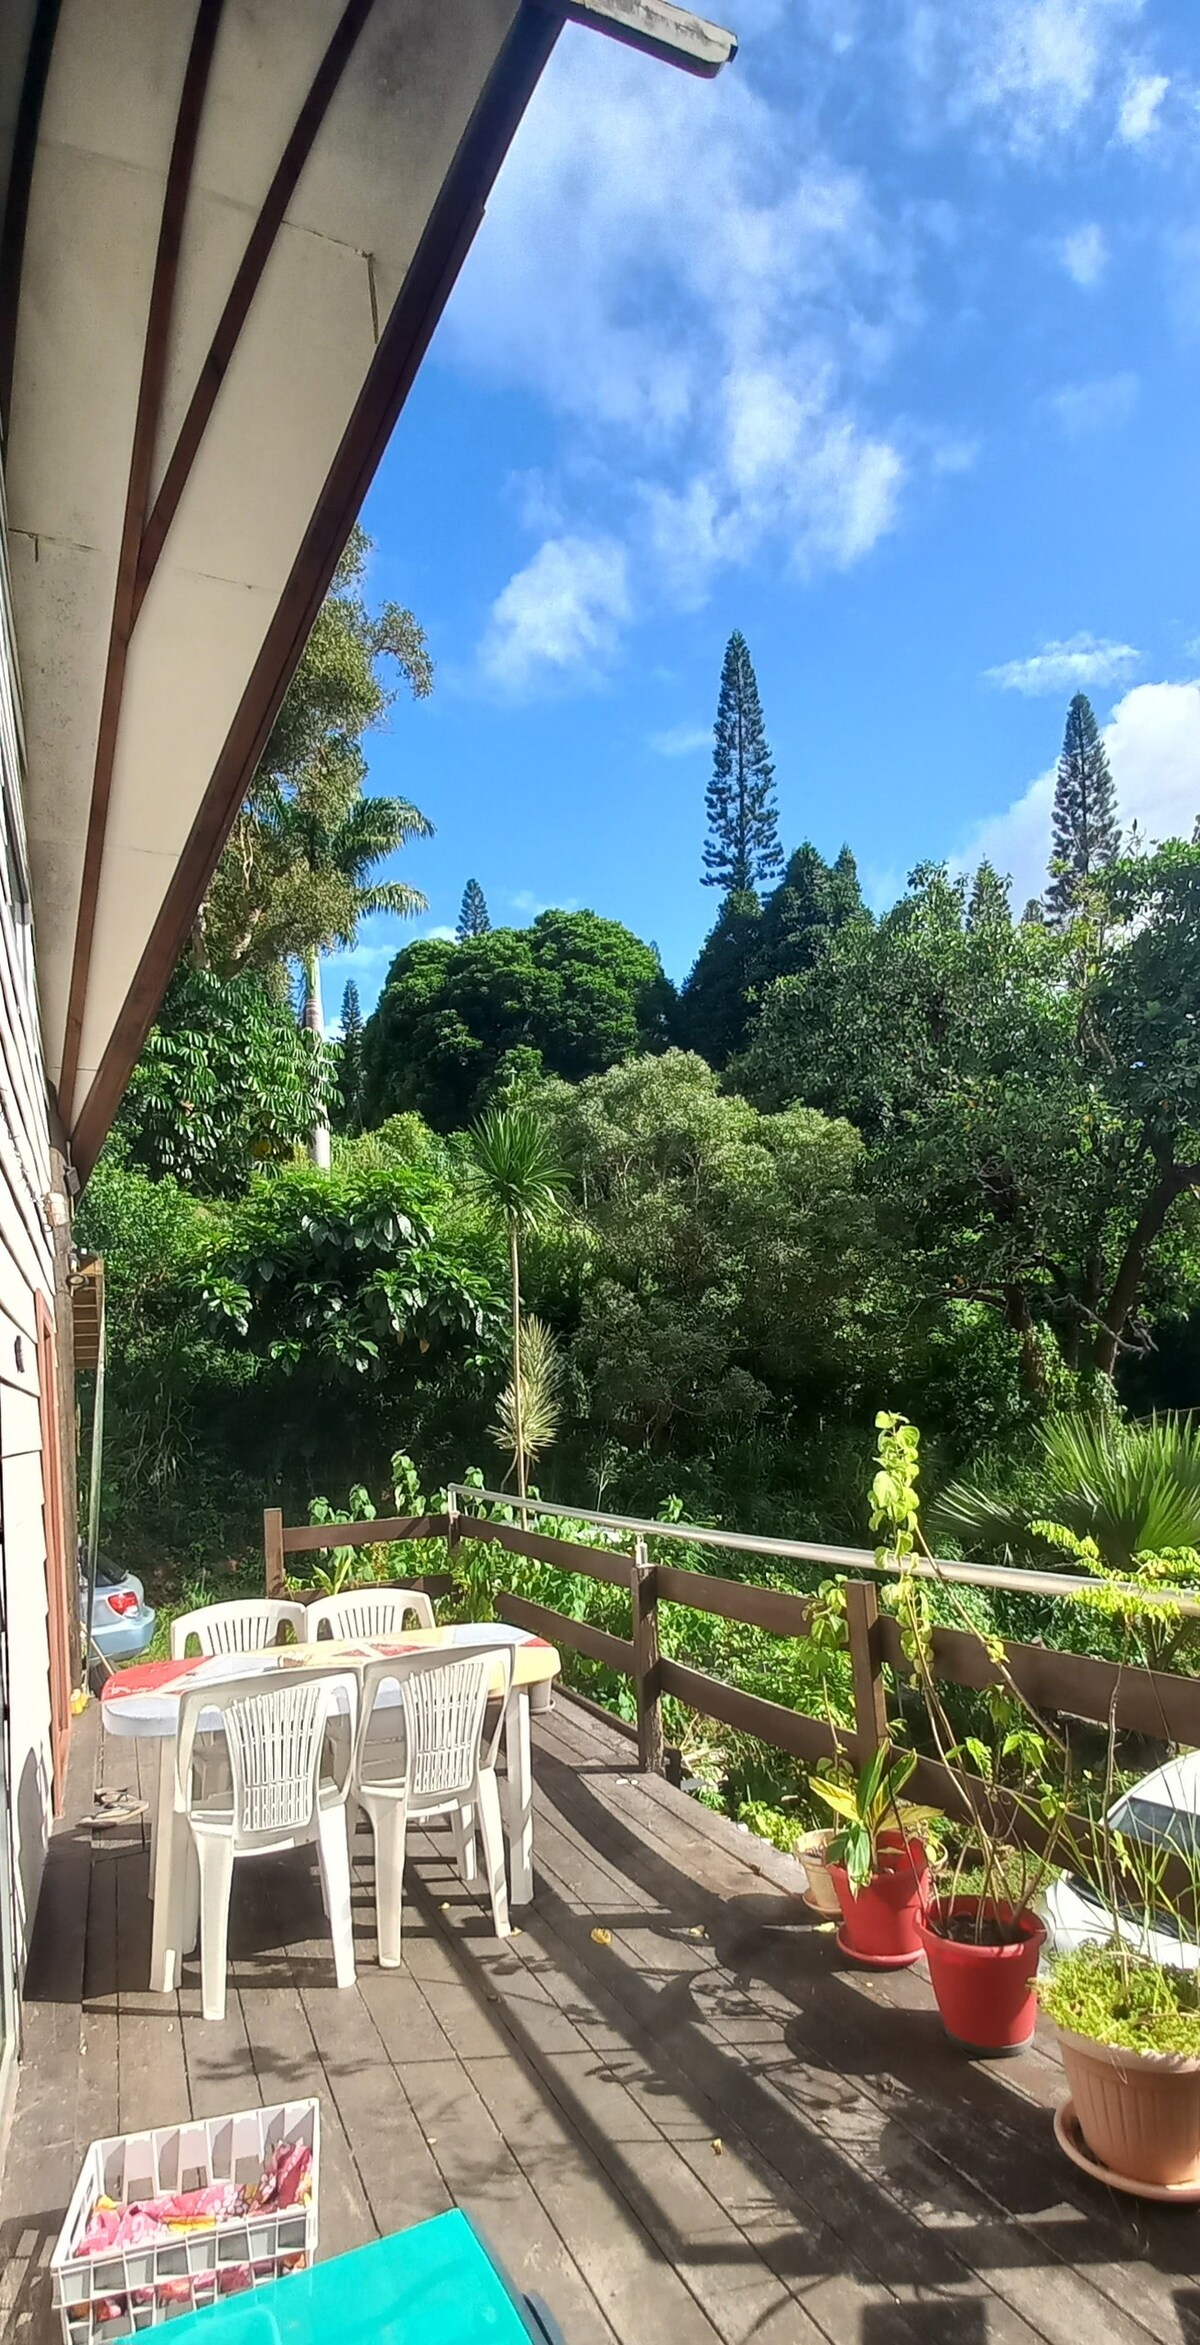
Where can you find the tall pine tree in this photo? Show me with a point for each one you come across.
(1086, 833)
(742, 849)
(813, 900)
(473, 917)
(350, 1068)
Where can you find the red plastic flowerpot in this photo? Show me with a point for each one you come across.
(985, 1993)
(880, 1922)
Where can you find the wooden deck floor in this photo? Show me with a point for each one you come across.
(703, 2125)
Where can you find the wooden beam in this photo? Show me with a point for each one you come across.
(1145, 1701)
(558, 1628)
(775, 1610)
(647, 1673)
(141, 463)
(310, 1538)
(402, 345)
(593, 1563)
(674, 35)
(259, 247)
(20, 183)
(770, 1722)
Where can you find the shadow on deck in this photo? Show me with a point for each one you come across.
(701, 2124)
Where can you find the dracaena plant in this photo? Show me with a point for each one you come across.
(871, 1804)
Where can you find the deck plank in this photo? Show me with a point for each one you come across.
(702, 2128)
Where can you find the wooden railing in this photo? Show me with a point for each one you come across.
(1149, 1702)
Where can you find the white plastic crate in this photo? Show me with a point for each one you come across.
(114, 2295)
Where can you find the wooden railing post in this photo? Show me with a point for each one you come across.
(643, 1591)
(273, 1550)
(866, 1667)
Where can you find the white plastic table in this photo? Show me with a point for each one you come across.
(149, 1711)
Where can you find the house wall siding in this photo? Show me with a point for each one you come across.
(27, 1271)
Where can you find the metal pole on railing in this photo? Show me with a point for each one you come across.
(643, 1593)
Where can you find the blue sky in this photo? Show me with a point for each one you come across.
(885, 348)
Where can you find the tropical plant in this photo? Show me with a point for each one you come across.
(520, 1184)
(870, 1804)
(533, 1428)
(1132, 1489)
(225, 1085)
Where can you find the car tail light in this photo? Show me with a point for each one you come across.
(126, 1601)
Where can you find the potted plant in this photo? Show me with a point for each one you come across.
(877, 1859)
(1129, 2029)
(979, 1933)
(812, 1850)
(983, 1941)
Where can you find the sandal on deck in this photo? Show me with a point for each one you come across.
(114, 1807)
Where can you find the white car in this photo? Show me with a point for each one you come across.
(1164, 1810)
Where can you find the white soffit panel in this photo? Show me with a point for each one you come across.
(242, 221)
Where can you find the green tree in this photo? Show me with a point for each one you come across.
(717, 999)
(350, 1059)
(473, 916)
(1030, 1098)
(580, 990)
(724, 1257)
(226, 1083)
(298, 875)
(742, 849)
(813, 900)
(520, 1184)
(1086, 833)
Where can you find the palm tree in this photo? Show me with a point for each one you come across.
(520, 1184)
(332, 862)
(1132, 1489)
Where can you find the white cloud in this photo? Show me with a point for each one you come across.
(1153, 743)
(1031, 68)
(682, 740)
(679, 271)
(1068, 666)
(1138, 117)
(558, 616)
(1084, 409)
(1084, 254)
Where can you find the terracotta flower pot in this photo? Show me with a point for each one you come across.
(879, 1923)
(985, 1993)
(1139, 2112)
(810, 1849)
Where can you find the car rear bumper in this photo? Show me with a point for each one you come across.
(124, 1635)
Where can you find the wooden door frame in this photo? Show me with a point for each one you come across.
(58, 1607)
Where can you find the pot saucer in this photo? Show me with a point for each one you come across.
(1069, 2137)
(824, 1913)
(876, 1961)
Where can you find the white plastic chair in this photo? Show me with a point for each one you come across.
(244, 1627)
(369, 1612)
(279, 1796)
(446, 1767)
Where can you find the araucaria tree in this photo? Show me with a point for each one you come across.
(1087, 835)
(473, 917)
(350, 1068)
(742, 849)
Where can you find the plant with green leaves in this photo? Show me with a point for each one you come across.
(1119, 1500)
(533, 1428)
(870, 1804)
(1014, 1810)
(520, 1183)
